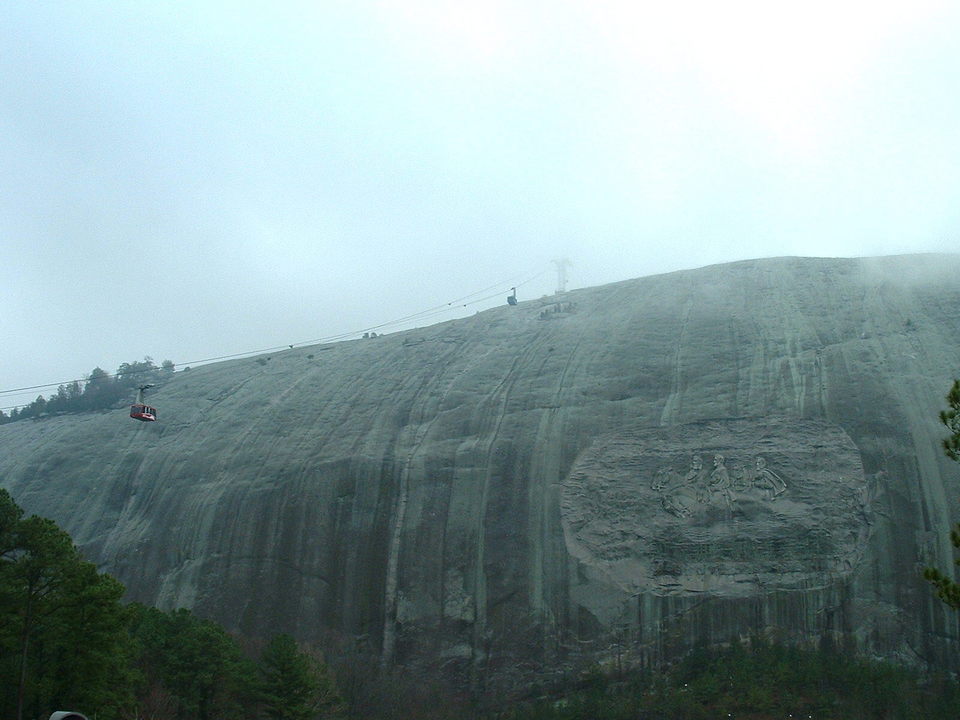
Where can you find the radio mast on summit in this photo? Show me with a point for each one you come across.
(562, 265)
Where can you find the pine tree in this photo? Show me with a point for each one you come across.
(951, 418)
(947, 589)
(62, 638)
(33, 584)
(295, 685)
(191, 663)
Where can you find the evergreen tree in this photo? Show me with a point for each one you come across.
(135, 374)
(951, 418)
(59, 402)
(32, 585)
(194, 664)
(294, 685)
(88, 651)
(947, 589)
(61, 639)
(10, 514)
(100, 391)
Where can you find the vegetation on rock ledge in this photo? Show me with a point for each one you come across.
(99, 391)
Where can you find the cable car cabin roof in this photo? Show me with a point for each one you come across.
(143, 412)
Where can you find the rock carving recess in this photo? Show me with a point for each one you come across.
(726, 506)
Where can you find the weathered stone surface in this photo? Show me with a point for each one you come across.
(731, 507)
(514, 489)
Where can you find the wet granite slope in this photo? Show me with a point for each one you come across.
(631, 468)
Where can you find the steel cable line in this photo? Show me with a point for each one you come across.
(406, 318)
(421, 315)
(430, 311)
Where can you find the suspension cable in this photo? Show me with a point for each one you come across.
(457, 303)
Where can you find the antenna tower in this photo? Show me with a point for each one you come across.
(562, 265)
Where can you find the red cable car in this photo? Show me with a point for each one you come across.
(143, 412)
(139, 411)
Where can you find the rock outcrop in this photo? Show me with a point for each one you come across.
(628, 469)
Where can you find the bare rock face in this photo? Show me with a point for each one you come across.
(625, 470)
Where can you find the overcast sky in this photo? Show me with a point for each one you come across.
(192, 179)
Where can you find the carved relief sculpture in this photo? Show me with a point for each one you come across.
(768, 480)
(720, 482)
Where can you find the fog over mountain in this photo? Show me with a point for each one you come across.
(188, 181)
(632, 468)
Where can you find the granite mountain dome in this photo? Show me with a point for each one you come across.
(632, 468)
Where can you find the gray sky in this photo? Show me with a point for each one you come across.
(191, 179)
